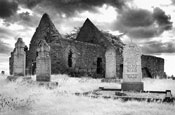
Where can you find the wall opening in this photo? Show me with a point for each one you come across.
(121, 71)
(33, 67)
(36, 54)
(70, 58)
(146, 73)
(99, 65)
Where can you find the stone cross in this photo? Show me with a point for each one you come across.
(132, 72)
(43, 62)
(19, 63)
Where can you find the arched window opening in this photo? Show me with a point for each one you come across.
(70, 58)
(121, 71)
(36, 54)
(99, 65)
(33, 67)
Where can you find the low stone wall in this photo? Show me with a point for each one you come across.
(152, 66)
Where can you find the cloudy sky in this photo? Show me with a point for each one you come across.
(150, 23)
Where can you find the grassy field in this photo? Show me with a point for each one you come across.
(21, 98)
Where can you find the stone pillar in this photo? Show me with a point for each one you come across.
(132, 72)
(19, 59)
(110, 58)
(43, 62)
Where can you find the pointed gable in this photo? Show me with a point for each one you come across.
(46, 30)
(90, 33)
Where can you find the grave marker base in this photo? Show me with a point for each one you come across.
(132, 86)
(43, 78)
(111, 80)
(50, 85)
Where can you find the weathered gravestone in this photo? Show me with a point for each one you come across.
(43, 62)
(110, 57)
(19, 63)
(132, 73)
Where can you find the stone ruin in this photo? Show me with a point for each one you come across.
(92, 53)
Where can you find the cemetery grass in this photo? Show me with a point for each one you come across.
(22, 98)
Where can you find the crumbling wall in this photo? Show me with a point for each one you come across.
(152, 66)
(77, 58)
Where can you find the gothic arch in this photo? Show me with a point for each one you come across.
(70, 56)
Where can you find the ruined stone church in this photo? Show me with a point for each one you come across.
(91, 53)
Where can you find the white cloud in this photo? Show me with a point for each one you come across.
(105, 14)
(169, 63)
(148, 4)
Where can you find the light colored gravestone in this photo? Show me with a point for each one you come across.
(110, 57)
(132, 73)
(19, 63)
(43, 62)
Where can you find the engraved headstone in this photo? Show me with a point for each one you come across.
(43, 62)
(19, 63)
(132, 73)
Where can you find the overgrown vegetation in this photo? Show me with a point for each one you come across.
(22, 97)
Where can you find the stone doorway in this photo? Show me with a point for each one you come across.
(110, 57)
(99, 65)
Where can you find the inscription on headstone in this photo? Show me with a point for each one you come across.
(132, 73)
(43, 62)
(19, 63)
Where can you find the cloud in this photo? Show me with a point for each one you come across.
(23, 18)
(157, 47)
(4, 48)
(141, 23)
(71, 7)
(8, 8)
(30, 3)
(136, 18)
(5, 33)
(143, 32)
(162, 19)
